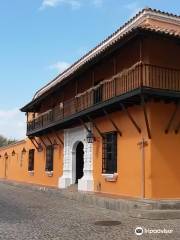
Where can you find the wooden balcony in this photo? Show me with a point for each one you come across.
(139, 76)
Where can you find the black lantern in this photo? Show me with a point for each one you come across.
(90, 137)
(23, 151)
(13, 153)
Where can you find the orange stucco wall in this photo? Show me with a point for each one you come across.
(129, 160)
(165, 152)
(129, 156)
(161, 156)
(17, 166)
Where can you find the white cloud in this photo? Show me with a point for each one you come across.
(98, 3)
(133, 7)
(12, 123)
(59, 66)
(74, 4)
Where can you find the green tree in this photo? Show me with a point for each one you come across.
(5, 141)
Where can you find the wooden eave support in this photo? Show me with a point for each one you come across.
(48, 138)
(94, 124)
(60, 140)
(130, 117)
(36, 141)
(172, 118)
(31, 139)
(43, 142)
(112, 122)
(177, 128)
(83, 123)
(145, 116)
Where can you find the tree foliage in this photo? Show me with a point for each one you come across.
(5, 141)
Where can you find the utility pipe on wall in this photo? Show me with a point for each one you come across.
(5, 167)
(142, 144)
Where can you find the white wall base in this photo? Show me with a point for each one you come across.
(64, 182)
(85, 184)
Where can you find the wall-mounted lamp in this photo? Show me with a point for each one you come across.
(90, 137)
(0, 156)
(23, 151)
(6, 155)
(13, 153)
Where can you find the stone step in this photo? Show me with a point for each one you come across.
(72, 188)
(166, 204)
(117, 204)
(156, 214)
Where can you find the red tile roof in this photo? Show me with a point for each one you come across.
(158, 29)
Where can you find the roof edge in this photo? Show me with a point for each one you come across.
(13, 144)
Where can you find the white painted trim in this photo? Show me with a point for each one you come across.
(31, 173)
(72, 137)
(49, 173)
(110, 177)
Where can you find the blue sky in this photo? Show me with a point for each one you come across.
(39, 38)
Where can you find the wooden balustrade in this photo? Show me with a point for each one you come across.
(139, 75)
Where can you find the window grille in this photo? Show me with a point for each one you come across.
(49, 158)
(31, 160)
(109, 152)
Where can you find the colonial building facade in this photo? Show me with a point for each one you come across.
(110, 123)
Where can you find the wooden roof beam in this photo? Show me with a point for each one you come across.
(59, 139)
(48, 138)
(31, 139)
(172, 118)
(145, 116)
(177, 128)
(94, 124)
(130, 117)
(112, 122)
(43, 142)
(83, 123)
(38, 146)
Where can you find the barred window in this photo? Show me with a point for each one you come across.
(31, 160)
(109, 152)
(49, 158)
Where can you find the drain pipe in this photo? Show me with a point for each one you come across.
(142, 144)
(5, 167)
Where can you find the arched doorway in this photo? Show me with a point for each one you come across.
(79, 161)
(73, 137)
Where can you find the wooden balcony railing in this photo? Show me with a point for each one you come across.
(139, 75)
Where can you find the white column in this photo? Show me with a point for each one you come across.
(66, 179)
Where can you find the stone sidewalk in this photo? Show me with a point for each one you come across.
(27, 213)
(137, 208)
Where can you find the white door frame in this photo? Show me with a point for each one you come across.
(72, 137)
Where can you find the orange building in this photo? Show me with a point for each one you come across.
(110, 123)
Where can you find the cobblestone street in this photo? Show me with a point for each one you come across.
(31, 214)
